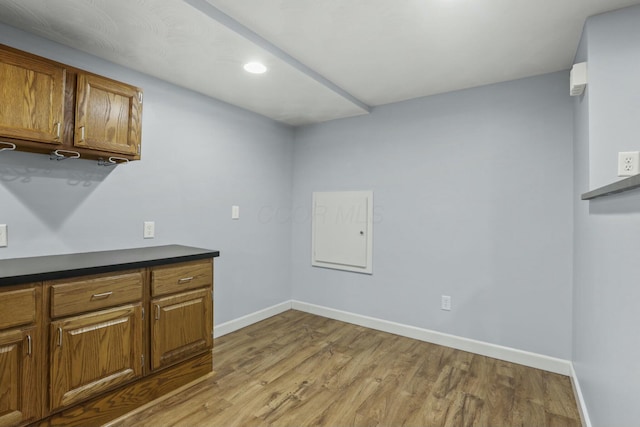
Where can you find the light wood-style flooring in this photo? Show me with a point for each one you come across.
(298, 369)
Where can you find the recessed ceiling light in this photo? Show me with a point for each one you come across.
(255, 67)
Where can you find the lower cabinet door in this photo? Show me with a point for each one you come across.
(181, 327)
(93, 353)
(18, 377)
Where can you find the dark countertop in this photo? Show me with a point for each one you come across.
(36, 269)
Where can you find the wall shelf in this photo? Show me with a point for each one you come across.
(626, 184)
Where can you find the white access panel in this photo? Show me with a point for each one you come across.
(342, 230)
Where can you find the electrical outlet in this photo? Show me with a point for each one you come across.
(445, 303)
(149, 230)
(3, 236)
(628, 163)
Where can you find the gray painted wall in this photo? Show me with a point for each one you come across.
(472, 196)
(613, 64)
(199, 157)
(607, 244)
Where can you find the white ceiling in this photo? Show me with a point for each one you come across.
(327, 59)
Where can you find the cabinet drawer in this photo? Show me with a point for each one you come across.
(181, 277)
(17, 308)
(88, 294)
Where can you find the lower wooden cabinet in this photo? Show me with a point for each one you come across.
(20, 354)
(181, 327)
(19, 379)
(86, 349)
(93, 353)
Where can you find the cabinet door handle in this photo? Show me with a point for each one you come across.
(10, 146)
(29, 348)
(59, 337)
(81, 133)
(58, 155)
(185, 280)
(102, 295)
(157, 312)
(58, 130)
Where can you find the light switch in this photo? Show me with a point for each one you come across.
(235, 212)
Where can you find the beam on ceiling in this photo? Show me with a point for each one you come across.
(235, 26)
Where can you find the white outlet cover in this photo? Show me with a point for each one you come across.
(445, 303)
(628, 163)
(149, 231)
(3, 236)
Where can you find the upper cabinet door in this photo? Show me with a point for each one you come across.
(32, 94)
(108, 115)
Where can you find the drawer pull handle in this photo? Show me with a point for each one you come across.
(102, 295)
(185, 280)
(29, 348)
(59, 337)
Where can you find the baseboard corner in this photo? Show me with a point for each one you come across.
(582, 405)
(249, 319)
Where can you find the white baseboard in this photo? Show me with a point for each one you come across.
(534, 360)
(582, 406)
(241, 322)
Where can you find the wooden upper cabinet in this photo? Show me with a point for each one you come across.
(48, 107)
(108, 115)
(32, 98)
